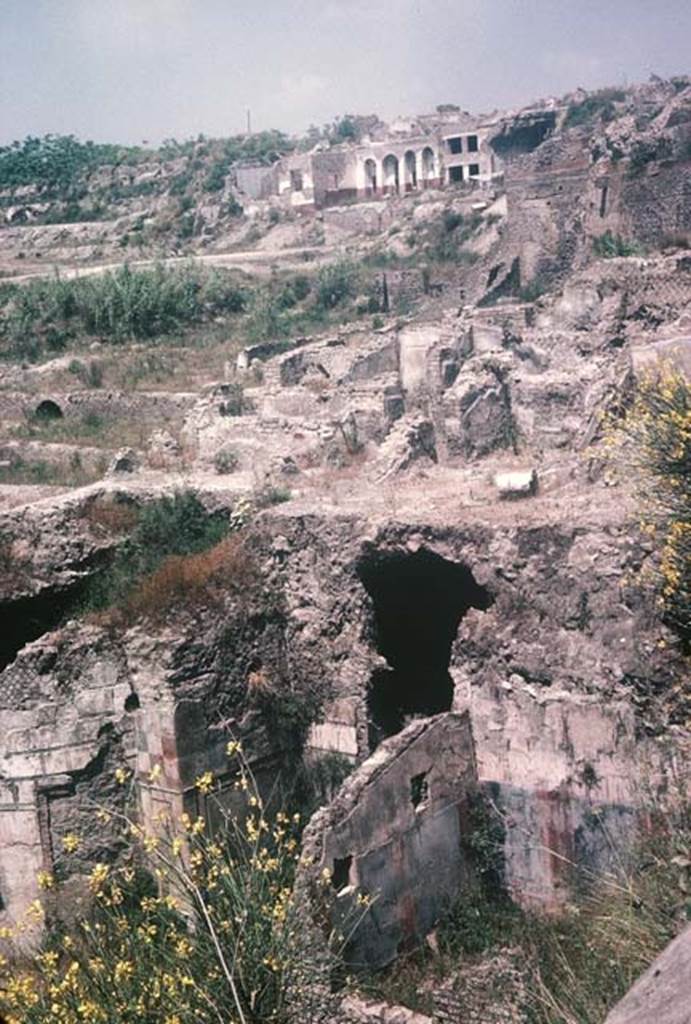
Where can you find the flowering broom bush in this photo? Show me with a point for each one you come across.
(658, 431)
(197, 925)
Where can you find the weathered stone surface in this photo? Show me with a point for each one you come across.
(663, 994)
(411, 438)
(359, 1011)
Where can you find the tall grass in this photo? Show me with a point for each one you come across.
(121, 305)
(577, 964)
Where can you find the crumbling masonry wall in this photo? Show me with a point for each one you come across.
(395, 833)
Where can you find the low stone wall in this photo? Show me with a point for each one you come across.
(111, 404)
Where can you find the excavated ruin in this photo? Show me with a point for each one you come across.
(447, 586)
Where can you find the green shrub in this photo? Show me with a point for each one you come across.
(533, 289)
(609, 246)
(656, 452)
(600, 104)
(197, 924)
(226, 461)
(336, 282)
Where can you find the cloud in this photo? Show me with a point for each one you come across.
(302, 88)
(128, 25)
(574, 66)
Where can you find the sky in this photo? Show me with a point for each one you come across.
(131, 71)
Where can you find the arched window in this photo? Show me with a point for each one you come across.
(429, 165)
(410, 171)
(370, 177)
(390, 174)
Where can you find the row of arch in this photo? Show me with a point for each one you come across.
(412, 171)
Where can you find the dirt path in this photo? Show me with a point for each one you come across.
(246, 259)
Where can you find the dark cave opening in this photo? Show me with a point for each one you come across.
(27, 618)
(419, 600)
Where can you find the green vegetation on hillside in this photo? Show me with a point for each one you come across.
(57, 160)
(168, 530)
(600, 104)
(609, 246)
(45, 315)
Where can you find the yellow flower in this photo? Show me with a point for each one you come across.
(70, 842)
(155, 773)
(45, 880)
(205, 782)
(121, 776)
(98, 876)
(35, 910)
(123, 970)
(233, 748)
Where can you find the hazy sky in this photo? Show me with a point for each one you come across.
(133, 70)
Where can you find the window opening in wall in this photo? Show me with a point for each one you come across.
(455, 174)
(340, 876)
(455, 145)
(419, 789)
(474, 171)
(428, 165)
(370, 176)
(132, 702)
(296, 181)
(472, 144)
(418, 602)
(410, 170)
(603, 200)
(390, 173)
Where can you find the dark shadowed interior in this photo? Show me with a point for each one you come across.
(419, 600)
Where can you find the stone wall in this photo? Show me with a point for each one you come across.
(112, 404)
(395, 832)
(548, 673)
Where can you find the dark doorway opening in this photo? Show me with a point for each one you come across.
(48, 410)
(419, 600)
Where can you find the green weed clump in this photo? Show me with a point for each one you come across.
(443, 239)
(39, 471)
(609, 246)
(197, 923)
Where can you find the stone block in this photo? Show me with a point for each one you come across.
(517, 484)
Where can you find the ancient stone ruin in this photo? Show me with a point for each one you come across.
(442, 580)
